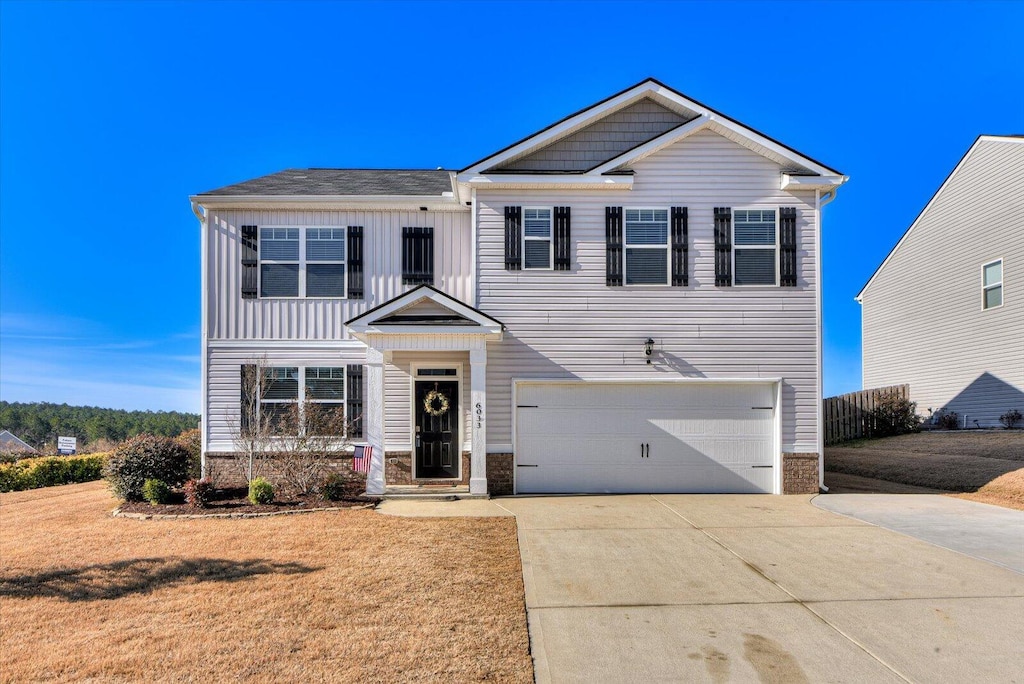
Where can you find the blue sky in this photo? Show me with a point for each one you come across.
(111, 114)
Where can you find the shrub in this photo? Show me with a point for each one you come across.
(894, 415)
(948, 420)
(192, 440)
(1010, 419)
(155, 491)
(261, 492)
(142, 458)
(50, 471)
(340, 486)
(197, 492)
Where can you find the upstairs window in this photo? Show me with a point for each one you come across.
(302, 262)
(646, 243)
(538, 246)
(992, 285)
(755, 247)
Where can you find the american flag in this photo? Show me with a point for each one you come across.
(361, 459)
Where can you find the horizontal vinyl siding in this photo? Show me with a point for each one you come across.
(571, 325)
(231, 317)
(398, 395)
(922, 318)
(225, 382)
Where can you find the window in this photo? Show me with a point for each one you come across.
(537, 243)
(646, 246)
(754, 247)
(283, 386)
(992, 284)
(302, 262)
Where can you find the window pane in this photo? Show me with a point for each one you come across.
(280, 244)
(646, 226)
(646, 266)
(281, 383)
(537, 223)
(994, 273)
(994, 297)
(755, 267)
(325, 383)
(279, 280)
(280, 417)
(538, 254)
(325, 280)
(754, 227)
(325, 244)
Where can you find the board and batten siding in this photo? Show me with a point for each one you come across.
(570, 324)
(232, 318)
(922, 316)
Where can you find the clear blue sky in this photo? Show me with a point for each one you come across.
(111, 114)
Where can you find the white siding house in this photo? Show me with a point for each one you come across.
(945, 311)
(626, 301)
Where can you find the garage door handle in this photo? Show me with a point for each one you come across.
(525, 465)
(767, 466)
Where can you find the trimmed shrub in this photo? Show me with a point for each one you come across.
(261, 492)
(192, 440)
(1010, 419)
(142, 458)
(948, 420)
(894, 415)
(198, 492)
(155, 491)
(50, 471)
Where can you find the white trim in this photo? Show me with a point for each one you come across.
(474, 262)
(340, 202)
(566, 181)
(204, 327)
(735, 248)
(550, 238)
(667, 246)
(985, 288)
(652, 146)
(484, 324)
(414, 368)
(933, 200)
(773, 381)
(793, 182)
(299, 344)
(302, 261)
(818, 343)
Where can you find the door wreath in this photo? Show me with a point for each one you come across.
(435, 403)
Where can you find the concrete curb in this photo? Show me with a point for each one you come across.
(118, 513)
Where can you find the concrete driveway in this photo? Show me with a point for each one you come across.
(754, 588)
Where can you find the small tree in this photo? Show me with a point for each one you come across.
(1010, 419)
(304, 458)
(251, 430)
(145, 457)
(894, 415)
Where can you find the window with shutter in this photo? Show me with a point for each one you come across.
(754, 247)
(250, 262)
(538, 247)
(354, 401)
(680, 247)
(279, 262)
(787, 246)
(723, 246)
(513, 238)
(646, 245)
(302, 262)
(563, 239)
(418, 255)
(325, 262)
(355, 262)
(613, 245)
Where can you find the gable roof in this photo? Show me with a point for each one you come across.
(1009, 139)
(343, 182)
(444, 314)
(10, 442)
(689, 109)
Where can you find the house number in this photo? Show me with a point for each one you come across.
(479, 415)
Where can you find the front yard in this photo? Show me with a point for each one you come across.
(330, 596)
(981, 465)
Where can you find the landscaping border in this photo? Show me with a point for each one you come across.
(118, 513)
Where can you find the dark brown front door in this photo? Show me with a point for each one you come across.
(437, 429)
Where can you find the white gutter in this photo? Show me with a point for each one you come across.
(517, 180)
(447, 201)
(204, 337)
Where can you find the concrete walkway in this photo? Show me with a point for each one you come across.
(752, 588)
(980, 530)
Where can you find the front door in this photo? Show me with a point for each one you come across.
(436, 431)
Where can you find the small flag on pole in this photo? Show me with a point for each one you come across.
(361, 459)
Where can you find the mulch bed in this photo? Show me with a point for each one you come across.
(236, 502)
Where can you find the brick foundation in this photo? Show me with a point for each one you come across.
(499, 474)
(226, 471)
(400, 472)
(799, 473)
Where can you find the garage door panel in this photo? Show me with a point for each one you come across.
(587, 437)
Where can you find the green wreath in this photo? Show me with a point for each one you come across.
(435, 403)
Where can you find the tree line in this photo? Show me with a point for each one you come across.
(40, 423)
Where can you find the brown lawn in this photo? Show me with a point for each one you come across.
(332, 596)
(986, 466)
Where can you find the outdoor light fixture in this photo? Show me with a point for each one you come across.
(648, 348)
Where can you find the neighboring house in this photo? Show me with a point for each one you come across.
(625, 301)
(9, 443)
(944, 312)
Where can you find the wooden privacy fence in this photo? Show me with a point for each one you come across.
(849, 416)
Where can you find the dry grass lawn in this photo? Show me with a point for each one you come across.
(986, 466)
(334, 596)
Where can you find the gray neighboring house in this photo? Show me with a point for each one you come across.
(9, 443)
(945, 310)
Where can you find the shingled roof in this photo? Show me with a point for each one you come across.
(297, 182)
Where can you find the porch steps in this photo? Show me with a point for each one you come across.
(431, 492)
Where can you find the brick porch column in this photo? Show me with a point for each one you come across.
(478, 416)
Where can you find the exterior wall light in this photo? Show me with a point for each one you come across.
(648, 348)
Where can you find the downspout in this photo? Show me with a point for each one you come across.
(821, 201)
(204, 417)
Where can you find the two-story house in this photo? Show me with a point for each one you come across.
(626, 301)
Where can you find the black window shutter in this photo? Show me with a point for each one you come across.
(680, 247)
(249, 396)
(723, 246)
(250, 262)
(355, 262)
(787, 246)
(418, 255)
(354, 399)
(563, 239)
(613, 245)
(513, 238)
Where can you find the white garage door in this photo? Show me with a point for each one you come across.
(653, 437)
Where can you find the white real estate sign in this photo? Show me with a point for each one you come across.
(67, 445)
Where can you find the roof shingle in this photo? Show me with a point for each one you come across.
(424, 182)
